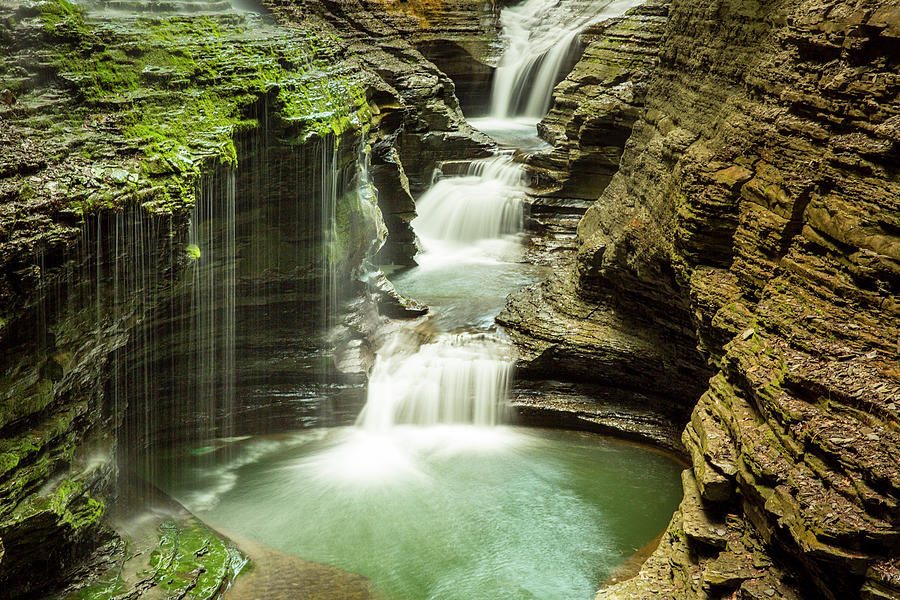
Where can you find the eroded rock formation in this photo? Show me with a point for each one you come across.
(755, 211)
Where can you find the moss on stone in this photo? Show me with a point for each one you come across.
(61, 13)
(74, 506)
(191, 561)
(185, 559)
(179, 87)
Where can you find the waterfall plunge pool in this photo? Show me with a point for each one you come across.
(449, 512)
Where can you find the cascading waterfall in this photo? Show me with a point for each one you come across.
(540, 37)
(485, 203)
(463, 378)
(454, 379)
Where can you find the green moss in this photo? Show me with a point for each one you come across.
(181, 86)
(8, 461)
(191, 561)
(188, 561)
(74, 507)
(56, 13)
(101, 590)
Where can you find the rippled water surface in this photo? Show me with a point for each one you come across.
(449, 512)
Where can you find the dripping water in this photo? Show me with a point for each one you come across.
(329, 236)
(213, 253)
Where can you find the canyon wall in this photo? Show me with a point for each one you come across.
(754, 215)
(179, 186)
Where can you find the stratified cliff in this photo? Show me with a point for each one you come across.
(167, 169)
(755, 212)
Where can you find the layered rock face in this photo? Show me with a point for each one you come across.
(755, 210)
(459, 36)
(143, 148)
(561, 330)
(597, 103)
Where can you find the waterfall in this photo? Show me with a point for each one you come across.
(540, 36)
(213, 299)
(483, 203)
(454, 379)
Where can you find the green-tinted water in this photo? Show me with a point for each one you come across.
(447, 512)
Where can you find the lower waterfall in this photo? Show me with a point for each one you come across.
(454, 379)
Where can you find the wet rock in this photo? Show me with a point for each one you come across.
(698, 524)
(592, 407)
(560, 334)
(390, 303)
(754, 208)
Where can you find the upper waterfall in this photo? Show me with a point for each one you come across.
(539, 36)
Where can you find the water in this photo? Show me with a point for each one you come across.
(485, 203)
(540, 37)
(517, 133)
(468, 298)
(454, 379)
(449, 512)
(469, 228)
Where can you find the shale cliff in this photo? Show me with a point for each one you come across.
(178, 183)
(754, 215)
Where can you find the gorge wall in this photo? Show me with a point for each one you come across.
(176, 185)
(737, 277)
(754, 216)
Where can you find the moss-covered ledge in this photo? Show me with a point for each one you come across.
(129, 108)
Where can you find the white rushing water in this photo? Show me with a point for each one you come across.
(540, 36)
(454, 379)
(484, 203)
(472, 218)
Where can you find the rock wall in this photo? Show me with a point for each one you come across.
(755, 212)
(124, 133)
